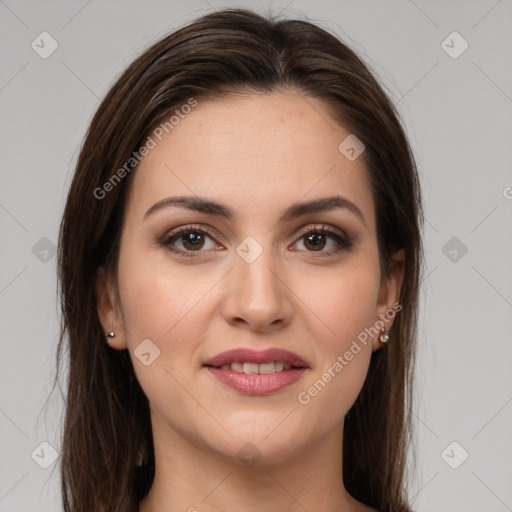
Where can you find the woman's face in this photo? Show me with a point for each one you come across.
(254, 272)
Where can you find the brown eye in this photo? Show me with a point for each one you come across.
(315, 241)
(193, 240)
(324, 241)
(190, 241)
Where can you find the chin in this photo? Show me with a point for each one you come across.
(263, 443)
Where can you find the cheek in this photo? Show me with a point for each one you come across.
(168, 306)
(343, 302)
(164, 306)
(159, 299)
(345, 305)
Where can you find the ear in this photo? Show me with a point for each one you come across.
(108, 312)
(389, 293)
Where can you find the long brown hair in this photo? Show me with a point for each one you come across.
(107, 458)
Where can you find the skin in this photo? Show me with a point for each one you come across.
(257, 154)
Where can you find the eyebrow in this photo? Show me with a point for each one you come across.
(203, 205)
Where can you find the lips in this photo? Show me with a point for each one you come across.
(253, 372)
(247, 355)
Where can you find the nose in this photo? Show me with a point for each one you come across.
(257, 297)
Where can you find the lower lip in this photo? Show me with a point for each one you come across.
(255, 383)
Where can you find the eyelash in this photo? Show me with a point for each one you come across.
(344, 243)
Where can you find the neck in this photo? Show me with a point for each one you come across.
(190, 477)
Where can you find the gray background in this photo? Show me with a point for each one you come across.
(457, 112)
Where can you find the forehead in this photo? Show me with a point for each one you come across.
(256, 152)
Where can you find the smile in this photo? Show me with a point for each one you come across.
(262, 369)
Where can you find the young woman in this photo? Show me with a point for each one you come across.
(239, 265)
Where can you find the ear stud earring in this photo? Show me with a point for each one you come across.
(111, 334)
(384, 337)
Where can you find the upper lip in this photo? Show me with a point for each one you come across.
(249, 355)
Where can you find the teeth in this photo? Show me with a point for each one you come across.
(236, 367)
(263, 368)
(251, 368)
